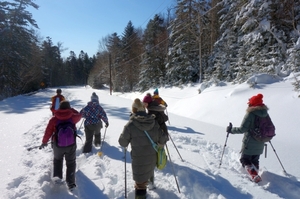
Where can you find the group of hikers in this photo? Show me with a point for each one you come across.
(147, 118)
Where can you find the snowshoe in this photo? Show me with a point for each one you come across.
(253, 174)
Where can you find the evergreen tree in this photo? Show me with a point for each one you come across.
(183, 66)
(130, 57)
(154, 56)
(114, 47)
(16, 42)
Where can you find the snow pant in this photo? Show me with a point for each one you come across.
(249, 160)
(69, 153)
(92, 131)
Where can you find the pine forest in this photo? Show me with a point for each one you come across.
(195, 41)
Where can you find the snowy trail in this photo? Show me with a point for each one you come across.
(200, 145)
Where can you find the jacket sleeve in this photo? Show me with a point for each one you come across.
(103, 115)
(76, 117)
(245, 125)
(125, 137)
(50, 129)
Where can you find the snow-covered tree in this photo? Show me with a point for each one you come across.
(16, 43)
(154, 56)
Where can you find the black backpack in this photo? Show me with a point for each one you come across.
(264, 129)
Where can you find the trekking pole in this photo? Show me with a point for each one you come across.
(278, 158)
(100, 152)
(34, 147)
(224, 145)
(81, 124)
(125, 149)
(175, 147)
(168, 116)
(266, 150)
(172, 168)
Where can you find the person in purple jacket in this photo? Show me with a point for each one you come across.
(94, 114)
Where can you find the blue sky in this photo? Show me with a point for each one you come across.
(80, 25)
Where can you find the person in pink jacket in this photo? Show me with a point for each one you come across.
(64, 113)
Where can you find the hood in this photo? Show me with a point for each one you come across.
(143, 122)
(261, 111)
(63, 114)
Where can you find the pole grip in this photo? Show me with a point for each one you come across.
(266, 150)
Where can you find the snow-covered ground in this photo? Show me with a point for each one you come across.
(197, 127)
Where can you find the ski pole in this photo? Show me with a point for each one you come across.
(81, 124)
(225, 145)
(266, 150)
(125, 149)
(173, 168)
(175, 147)
(100, 152)
(278, 158)
(34, 147)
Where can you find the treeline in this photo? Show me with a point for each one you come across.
(195, 41)
(28, 63)
(217, 40)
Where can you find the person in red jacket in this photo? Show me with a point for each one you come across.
(65, 112)
(55, 100)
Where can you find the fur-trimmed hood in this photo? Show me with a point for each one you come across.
(261, 111)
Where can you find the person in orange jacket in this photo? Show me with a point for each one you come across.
(158, 99)
(55, 100)
(64, 113)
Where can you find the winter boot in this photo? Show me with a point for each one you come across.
(72, 186)
(140, 193)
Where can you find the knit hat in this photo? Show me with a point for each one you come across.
(137, 106)
(155, 92)
(64, 105)
(147, 98)
(256, 100)
(58, 90)
(94, 97)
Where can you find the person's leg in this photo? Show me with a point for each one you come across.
(97, 138)
(58, 156)
(255, 161)
(245, 160)
(151, 184)
(70, 157)
(140, 190)
(89, 133)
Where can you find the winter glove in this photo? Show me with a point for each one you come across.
(106, 124)
(43, 145)
(228, 129)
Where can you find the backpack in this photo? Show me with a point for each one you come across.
(264, 129)
(65, 134)
(161, 158)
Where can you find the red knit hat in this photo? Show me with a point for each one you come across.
(256, 100)
(147, 98)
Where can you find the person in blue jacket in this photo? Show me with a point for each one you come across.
(94, 114)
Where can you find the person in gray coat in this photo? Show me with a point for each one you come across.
(251, 148)
(143, 155)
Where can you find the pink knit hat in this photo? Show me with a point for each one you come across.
(147, 98)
